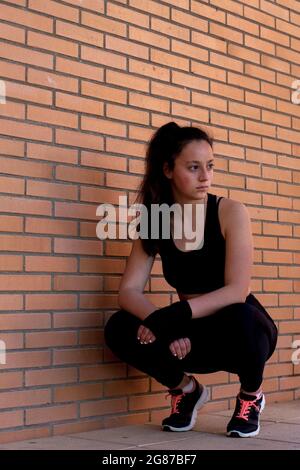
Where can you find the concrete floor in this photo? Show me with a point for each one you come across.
(280, 430)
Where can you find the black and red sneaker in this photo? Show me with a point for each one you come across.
(184, 408)
(245, 418)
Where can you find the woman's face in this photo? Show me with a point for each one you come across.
(193, 168)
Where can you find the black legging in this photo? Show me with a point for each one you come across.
(238, 338)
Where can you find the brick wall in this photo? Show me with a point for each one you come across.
(84, 83)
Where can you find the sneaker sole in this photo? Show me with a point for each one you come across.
(235, 433)
(202, 399)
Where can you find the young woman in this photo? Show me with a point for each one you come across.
(217, 324)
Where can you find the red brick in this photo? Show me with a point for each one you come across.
(50, 376)
(53, 80)
(79, 69)
(17, 2)
(59, 227)
(25, 168)
(95, 5)
(10, 70)
(25, 205)
(11, 419)
(50, 263)
(27, 131)
(26, 18)
(22, 435)
(50, 339)
(52, 153)
(50, 413)
(11, 263)
(102, 23)
(11, 380)
(103, 126)
(50, 302)
(106, 58)
(147, 37)
(53, 44)
(242, 24)
(10, 302)
(11, 33)
(12, 109)
(78, 356)
(79, 104)
(12, 185)
(109, 406)
(75, 319)
(28, 93)
(58, 118)
(26, 55)
(128, 387)
(91, 337)
(24, 398)
(209, 12)
(24, 282)
(80, 283)
(78, 139)
(128, 15)
(55, 9)
(78, 33)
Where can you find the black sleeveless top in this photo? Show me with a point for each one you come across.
(200, 270)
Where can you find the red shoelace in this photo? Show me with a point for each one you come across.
(175, 400)
(245, 408)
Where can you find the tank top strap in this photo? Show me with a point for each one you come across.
(218, 201)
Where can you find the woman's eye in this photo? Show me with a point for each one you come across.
(196, 166)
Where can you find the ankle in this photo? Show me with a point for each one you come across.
(190, 387)
(256, 394)
(185, 381)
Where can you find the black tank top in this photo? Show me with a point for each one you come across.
(201, 270)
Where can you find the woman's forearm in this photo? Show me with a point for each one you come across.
(207, 304)
(136, 303)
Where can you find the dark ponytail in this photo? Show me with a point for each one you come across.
(164, 146)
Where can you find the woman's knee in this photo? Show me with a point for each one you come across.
(118, 324)
(244, 313)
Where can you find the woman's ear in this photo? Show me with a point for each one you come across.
(167, 171)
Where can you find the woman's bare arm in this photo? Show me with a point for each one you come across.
(136, 274)
(238, 264)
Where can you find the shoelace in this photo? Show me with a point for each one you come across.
(245, 408)
(175, 400)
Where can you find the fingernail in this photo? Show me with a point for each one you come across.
(175, 354)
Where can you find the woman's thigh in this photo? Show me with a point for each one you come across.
(218, 341)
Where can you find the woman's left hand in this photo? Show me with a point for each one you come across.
(144, 335)
(180, 347)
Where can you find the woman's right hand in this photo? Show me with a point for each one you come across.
(144, 335)
(180, 347)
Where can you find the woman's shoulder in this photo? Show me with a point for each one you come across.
(226, 203)
(225, 209)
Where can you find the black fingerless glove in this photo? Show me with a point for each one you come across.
(170, 323)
